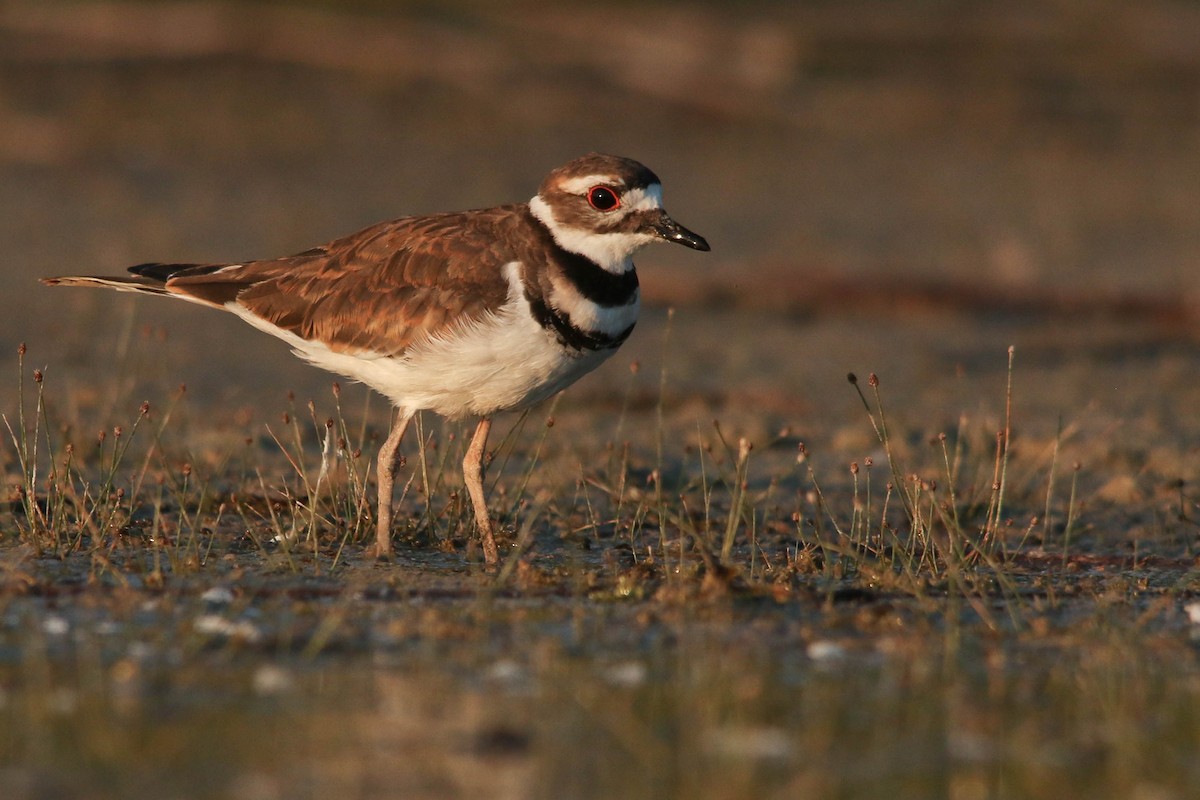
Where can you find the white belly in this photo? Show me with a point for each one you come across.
(507, 362)
(503, 362)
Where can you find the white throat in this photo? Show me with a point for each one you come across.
(612, 251)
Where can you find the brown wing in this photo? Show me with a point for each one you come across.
(380, 289)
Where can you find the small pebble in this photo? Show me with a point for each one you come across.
(752, 743)
(218, 596)
(628, 675)
(139, 651)
(270, 679)
(216, 625)
(505, 671)
(63, 701)
(825, 650)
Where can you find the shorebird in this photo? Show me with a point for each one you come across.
(464, 314)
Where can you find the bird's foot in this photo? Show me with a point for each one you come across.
(491, 553)
(379, 551)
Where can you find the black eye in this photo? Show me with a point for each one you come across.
(603, 198)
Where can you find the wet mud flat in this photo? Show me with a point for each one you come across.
(750, 609)
(436, 684)
(727, 573)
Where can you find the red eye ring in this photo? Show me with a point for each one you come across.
(603, 198)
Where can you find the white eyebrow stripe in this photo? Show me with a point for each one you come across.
(582, 184)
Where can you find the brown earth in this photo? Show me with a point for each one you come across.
(900, 189)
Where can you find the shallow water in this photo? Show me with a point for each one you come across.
(117, 694)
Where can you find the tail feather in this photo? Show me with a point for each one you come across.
(164, 272)
(148, 279)
(142, 285)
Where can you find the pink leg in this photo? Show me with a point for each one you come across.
(385, 475)
(473, 476)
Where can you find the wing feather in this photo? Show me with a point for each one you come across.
(381, 289)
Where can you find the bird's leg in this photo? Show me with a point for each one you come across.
(385, 474)
(473, 476)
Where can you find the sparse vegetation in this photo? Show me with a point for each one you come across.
(727, 572)
(940, 587)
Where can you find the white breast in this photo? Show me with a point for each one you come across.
(504, 361)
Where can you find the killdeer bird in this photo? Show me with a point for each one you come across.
(463, 314)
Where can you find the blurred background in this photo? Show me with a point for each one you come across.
(901, 186)
(897, 160)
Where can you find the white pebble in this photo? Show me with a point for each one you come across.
(218, 596)
(216, 625)
(628, 675)
(506, 671)
(270, 679)
(825, 650)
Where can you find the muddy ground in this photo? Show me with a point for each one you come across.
(902, 190)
